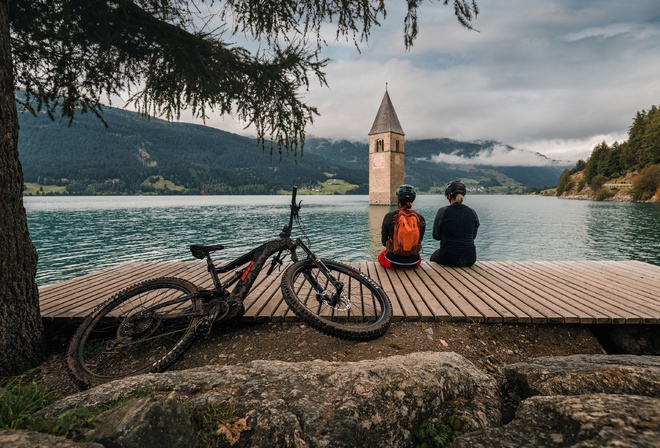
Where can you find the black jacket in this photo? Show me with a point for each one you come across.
(455, 226)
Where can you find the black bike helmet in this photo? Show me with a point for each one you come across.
(455, 187)
(406, 193)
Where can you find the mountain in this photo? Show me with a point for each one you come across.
(133, 153)
(426, 170)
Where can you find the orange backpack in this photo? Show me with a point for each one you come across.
(406, 233)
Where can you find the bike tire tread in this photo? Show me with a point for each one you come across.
(328, 327)
(78, 374)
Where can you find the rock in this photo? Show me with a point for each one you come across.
(142, 423)
(586, 421)
(586, 374)
(29, 439)
(324, 404)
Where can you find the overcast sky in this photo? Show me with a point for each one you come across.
(551, 76)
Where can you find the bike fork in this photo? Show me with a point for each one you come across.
(339, 286)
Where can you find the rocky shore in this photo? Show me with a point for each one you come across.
(585, 400)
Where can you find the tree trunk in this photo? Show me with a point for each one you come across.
(21, 329)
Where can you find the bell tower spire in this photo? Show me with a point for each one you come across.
(386, 154)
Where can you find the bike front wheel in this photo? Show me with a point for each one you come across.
(359, 312)
(144, 328)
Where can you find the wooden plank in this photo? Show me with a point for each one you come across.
(504, 303)
(66, 289)
(568, 296)
(562, 291)
(617, 278)
(403, 282)
(272, 300)
(509, 290)
(198, 274)
(619, 282)
(569, 291)
(379, 275)
(454, 302)
(410, 311)
(639, 270)
(83, 303)
(262, 289)
(101, 282)
(438, 290)
(456, 276)
(599, 298)
(543, 293)
(467, 298)
(537, 299)
(366, 310)
(419, 292)
(594, 293)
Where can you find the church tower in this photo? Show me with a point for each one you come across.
(385, 155)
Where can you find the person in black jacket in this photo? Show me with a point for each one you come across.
(455, 226)
(389, 257)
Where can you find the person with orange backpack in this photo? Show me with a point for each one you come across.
(402, 233)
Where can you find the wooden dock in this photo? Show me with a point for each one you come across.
(585, 292)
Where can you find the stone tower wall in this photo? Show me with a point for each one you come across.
(386, 167)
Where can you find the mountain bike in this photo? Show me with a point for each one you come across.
(149, 325)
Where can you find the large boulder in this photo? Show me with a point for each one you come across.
(324, 404)
(580, 400)
(142, 423)
(30, 439)
(586, 374)
(583, 421)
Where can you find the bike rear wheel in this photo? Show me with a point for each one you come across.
(361, 312)
(144, 328)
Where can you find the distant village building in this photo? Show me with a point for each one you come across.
(386, 151)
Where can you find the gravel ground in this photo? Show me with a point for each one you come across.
(488, 346)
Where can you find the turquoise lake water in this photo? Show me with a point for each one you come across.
(78, 235)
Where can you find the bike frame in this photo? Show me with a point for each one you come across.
(256, 259)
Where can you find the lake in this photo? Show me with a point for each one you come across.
(82, 234)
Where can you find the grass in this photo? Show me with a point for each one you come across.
(34, 189)
(160, 183)
(20, 404)
(213, 425)
(216, 425)
(330, 186)
(441, 435)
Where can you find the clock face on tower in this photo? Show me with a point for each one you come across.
(378, 160)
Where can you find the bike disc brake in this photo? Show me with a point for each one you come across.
(339, 302)
(137, 327)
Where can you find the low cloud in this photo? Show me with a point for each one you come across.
(498, 155)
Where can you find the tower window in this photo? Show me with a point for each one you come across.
(397, 146)
(380, 145)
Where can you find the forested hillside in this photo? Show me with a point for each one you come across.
(135, 155)
(429, 175)
(635, 161)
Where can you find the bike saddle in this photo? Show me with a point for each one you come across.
(200, 251)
